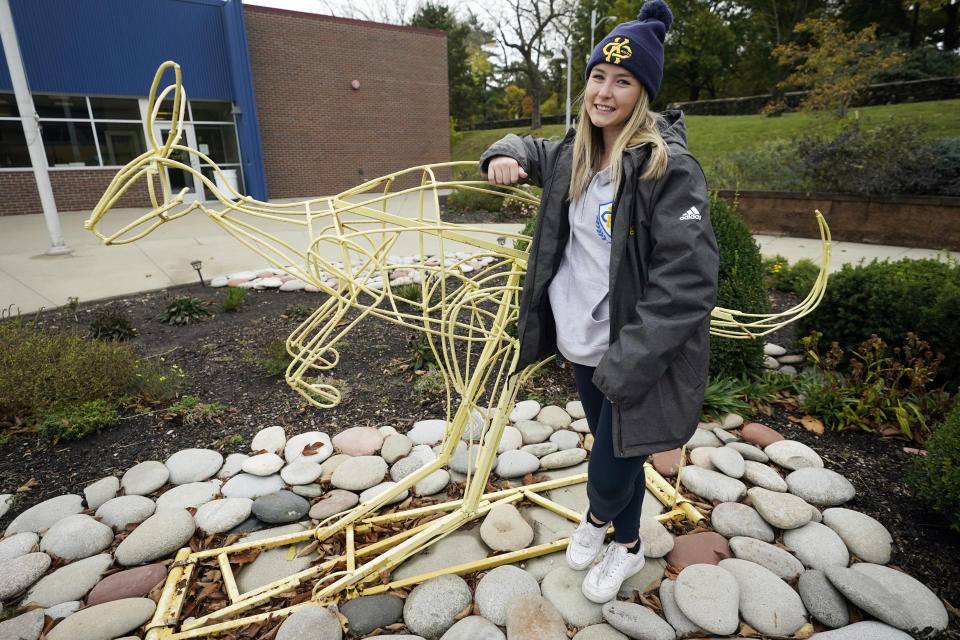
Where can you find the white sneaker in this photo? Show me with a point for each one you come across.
(603, 582)
(585, 543)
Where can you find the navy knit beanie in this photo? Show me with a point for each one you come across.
(637, 46)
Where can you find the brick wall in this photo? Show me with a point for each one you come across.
(73, 190)
(317, 132)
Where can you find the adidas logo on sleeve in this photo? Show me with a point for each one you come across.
(691, 214)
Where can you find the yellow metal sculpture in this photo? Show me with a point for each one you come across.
(468, 282)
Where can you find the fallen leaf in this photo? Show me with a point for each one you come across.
(26, 486)
(811, 424)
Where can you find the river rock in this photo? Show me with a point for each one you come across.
(727, 461)
(865, 537)
(499, 587)
(712, 485)
(925, 608)
(817, 546)
(435, 482)
(793, 455)
(563, 459)
(358, 441)
(465, 459)
(232, 466)
(269, 439)
(104, 621)
(868, 629)
(124, 510)
(601, 631)
(23, 627)
(533, 432)
(735, 519)
(708, 547)
(767, 603)
(19, 544)
(222, 515)
(193, 465)
(871, 596)
(41, 517)
(637, 621)
(301, 473)
(581, 426)
(333, 502)
(748, 451)
(701, 458)
(70, 582)
(405, 466)
(562, 587)
(534, 618)
(312, 446)
(19, 573)
(273, 564)
(432, 606)
(368, 613)
(657, 541)
(820, 486)
(775, 350)
(565, 439)
(575, 409)
(76, 536)
(189, 495)
(144, 478)
(541, 448)
(427, 431)
(395, 446)
(473, 628)
(504, 529)
(677, 619)
(822, 599)
(280, 507)
(97, 493)
(313, 623)
(782, 510)
(157, 537)
(759, 434)
(511, 439)
(373, 492)
(524, 410)
(553, 416)
(132, 583)
(667, 463)
(262, 464)
(516, 464)
(731, 421)
(709, 596)
(760, 475)
(703, 438)
(773, 558)
(357, 474)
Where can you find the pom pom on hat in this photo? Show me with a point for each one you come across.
(656, 10)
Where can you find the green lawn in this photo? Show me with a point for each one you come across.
(712, 136)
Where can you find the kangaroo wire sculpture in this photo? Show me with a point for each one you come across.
(467, 311)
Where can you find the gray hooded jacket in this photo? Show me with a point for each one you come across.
(663, 285)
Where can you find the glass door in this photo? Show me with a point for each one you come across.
(177, 178)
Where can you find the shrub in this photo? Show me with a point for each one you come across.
(190, 411)
(798, 279)
(183, 310)
(78, 421)
(421, 355)
(111, 325)
(273, 358)
(412, 292)
(740, 287)
(430, 383)
(157, 382)
(936, 476)
(297, 312)
(723, 396)
(893, 299)
(233, 298)
(471, 200)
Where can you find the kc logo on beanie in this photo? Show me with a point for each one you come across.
(637, 46)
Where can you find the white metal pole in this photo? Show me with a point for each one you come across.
(569, 61)
(593, 26)
(18, 76)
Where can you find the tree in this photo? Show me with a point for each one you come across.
(835, 65)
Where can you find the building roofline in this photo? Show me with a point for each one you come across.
(326, 18)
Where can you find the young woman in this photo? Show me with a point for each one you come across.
(621, 280)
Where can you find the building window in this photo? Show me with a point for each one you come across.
(69, 144)
(13, 146)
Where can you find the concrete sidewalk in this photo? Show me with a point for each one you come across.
(30, 280)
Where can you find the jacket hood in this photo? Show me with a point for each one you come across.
(673, 127)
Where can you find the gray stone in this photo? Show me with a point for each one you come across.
(311, 623)
(24, 627)
(524, 410)
(432, 606)
(657, 541)
(795, 358)
(511, 439)
(272, 564)
(723, 436)
(533, 432)
(822, 599)
(731, 421)
(682, 625)
(793, 455)
(104, 621)
(427, 431)
(637, 621)
(581, 426)
(701, 458)
(405, 466)
(652, 571)
(734, 519)
(124, 510)
(232, 465)
(599, 632)
(308, 491)
(19, 573)
(65, 609)
(262, 464)
(727, 461)
(926, 609)
(246, 485)
(19, 544)
(464, 460)
(301, 473)
(222, 515)
(373, 492)
(866, 630)
(712, 485)
(41, 517)
(100, 491)
(703, 438)
(553, 416)
(516, 464)
(821, 487)
(504, 529)
(367, 613)
(433, 483)
(817, 546)
(563, 459)
(760, 475)
(312, 446)
(280, 507)
(871, 596)
(357, 474)
(782, 510)
(269, 439)
(144, 478)
(534, 618)
(541, 448)
(499, 587)
(456, 548)
(157, 537)
(395, 446)
(189, 495)
(773, 558)
(865, 537)
(334, 502)
(5, 500)
(769, 362)
(767, 603)
(562, 588)
(565, 439)
(748, 451)
(77, 536)
(70, 582)
(709, 596)
(193, 465)
(473, 628)
(775, 350)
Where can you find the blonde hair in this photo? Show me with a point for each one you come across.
(642, 127)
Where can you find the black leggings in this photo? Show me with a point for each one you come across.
(615, 486)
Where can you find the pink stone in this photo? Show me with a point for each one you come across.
(265, 274)
(311, 289)
(708, 547)
(667, 463)
(333, 502)
(359, 441)
(132, 583)
(286, 278)
(760, 435)
(236, 282)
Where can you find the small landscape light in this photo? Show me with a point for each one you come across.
(196, 264)
(355, 84)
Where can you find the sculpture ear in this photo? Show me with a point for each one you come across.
(156, 100)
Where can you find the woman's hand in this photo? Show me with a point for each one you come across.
(504, 170)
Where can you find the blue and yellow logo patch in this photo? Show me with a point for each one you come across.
(604, 220)
(618, 50)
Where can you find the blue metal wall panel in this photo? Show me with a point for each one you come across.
(113, 47)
